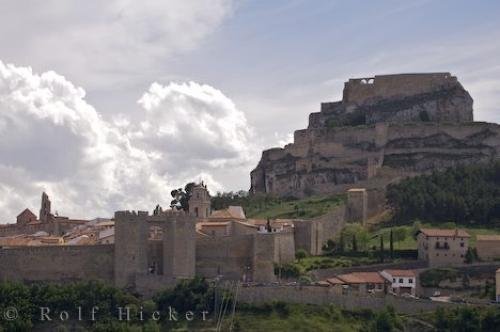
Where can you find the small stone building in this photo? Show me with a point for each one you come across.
(442, 247)
(359, 282)
(488, 247)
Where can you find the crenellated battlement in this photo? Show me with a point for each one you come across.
(131, 215)
(369, 89)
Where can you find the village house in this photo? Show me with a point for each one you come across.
(359, 282)
(401, 281)
(442, 247)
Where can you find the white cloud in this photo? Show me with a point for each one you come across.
(52, 139)
(195, 117)
(106, 43)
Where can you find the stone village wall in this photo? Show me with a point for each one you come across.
(328, 295)
(57, 263)
(230, 256)
(247, 257)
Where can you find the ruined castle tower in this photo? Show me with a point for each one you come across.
(384, 128)
(199, 203)
(45, 214)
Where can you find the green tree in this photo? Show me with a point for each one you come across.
(399, 234)
(491, 320)
(381, 248)
(391, 245)
(300, 254)
(469, 256)
(181, 197)
(357, 230)
(354, 243)
(341, 243)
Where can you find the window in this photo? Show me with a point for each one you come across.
(393, 279)
(401, 280)
(462, 244)
(410, 280)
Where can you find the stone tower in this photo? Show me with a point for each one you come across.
(131, 244)
(357, 205)
(45, 208)
(179, 245)
(199, 203)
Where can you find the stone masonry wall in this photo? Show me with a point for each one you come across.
(57, 263)
(361, 90)
(327, 295)
(228, 256)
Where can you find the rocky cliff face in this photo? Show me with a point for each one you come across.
(384, 128)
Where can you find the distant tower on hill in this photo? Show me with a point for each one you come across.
(199, 203)
(45, 214)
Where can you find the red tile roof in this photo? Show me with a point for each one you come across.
(362, 278)
(335, 281)
(437, 232)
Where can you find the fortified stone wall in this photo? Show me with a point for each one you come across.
(231, 257)
(284, 247)
(131, 236)
(362, 90)
(57, 263)
(58, 227)
(308, 236)
(264, 257)
(327, 295)
(179, 251)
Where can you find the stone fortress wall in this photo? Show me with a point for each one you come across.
(329, 295)
(57, 263)
(363, 90)
(56, 227)
(145, 264)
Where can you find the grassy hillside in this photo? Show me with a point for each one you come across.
(303, 208)
(295, 317)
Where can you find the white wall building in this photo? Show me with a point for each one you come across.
(402, 281)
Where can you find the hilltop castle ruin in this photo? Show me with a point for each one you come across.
(385, 127)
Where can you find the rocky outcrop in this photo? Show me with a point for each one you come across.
(384, 128)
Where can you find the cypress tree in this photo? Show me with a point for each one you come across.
(391, 245)
(381, 248)
(341, 243)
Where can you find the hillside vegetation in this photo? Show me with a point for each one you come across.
(465, 195)
(266, 206)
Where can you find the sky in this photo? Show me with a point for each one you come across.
(108, 105)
